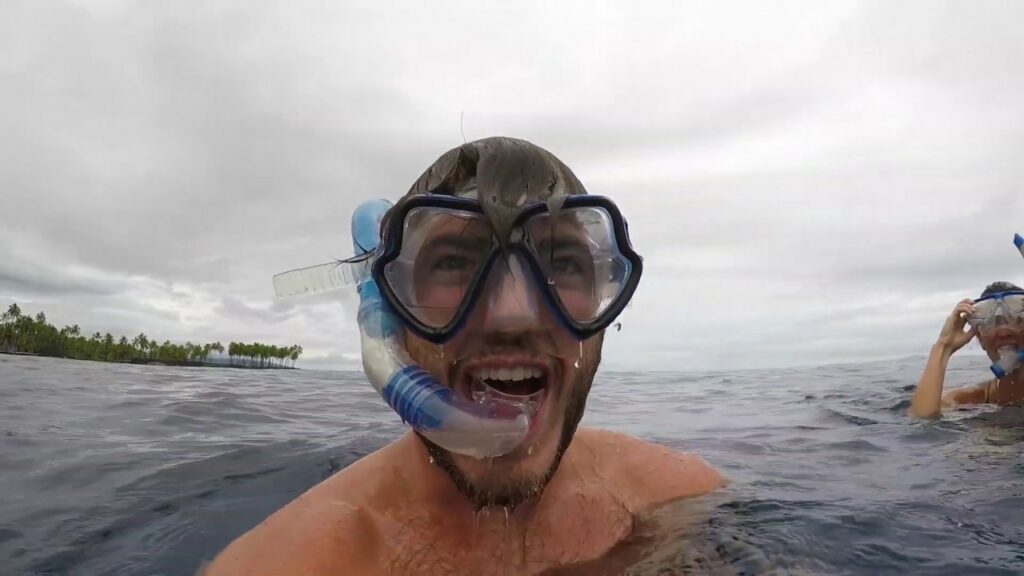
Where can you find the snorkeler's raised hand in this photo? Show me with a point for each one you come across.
(953, 336)
(927, 401)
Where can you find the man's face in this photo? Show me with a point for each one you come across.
(1001, 319)
(512, 344)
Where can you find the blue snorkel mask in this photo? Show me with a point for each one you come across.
(438, 263)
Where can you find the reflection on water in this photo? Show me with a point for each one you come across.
(112, 469)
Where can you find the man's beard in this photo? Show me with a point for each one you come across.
(510, 494)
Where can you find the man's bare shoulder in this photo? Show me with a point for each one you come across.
(966, 395)
(649, 475)
(300, 540)
(327, 530)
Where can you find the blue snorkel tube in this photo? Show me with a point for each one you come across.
(478, 429)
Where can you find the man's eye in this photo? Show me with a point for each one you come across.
(566, 266)
(452, 264)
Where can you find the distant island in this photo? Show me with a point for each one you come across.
(25, 335)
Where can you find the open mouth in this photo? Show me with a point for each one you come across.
(509, 381)
(1004, 337)
(517, 381)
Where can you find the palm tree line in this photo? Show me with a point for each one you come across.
(263, 355)
(23, 333)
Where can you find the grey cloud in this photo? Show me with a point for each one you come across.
(276, 312)
(830, 163)
(177, 140)
(235, 308)
(343, 361)
(29, 276)
(43, 282)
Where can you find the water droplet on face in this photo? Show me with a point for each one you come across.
(505, 508)
(529, 451)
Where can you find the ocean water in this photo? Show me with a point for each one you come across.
(120, 469)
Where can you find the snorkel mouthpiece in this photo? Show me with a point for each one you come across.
(1009, 359)
(485, 428)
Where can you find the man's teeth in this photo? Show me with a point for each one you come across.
(513, 374)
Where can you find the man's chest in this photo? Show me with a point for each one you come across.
(493, 543)
(1007, 392)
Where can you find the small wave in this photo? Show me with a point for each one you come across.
(855, 446)
(849, 418)
(900, 407)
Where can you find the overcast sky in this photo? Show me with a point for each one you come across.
(816, 182)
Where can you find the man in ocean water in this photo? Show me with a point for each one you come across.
(565, 496)
(996, 319)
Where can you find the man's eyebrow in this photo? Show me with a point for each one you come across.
(453, 240)
(560, 244)
(563, 238)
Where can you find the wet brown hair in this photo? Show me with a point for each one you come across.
(507, 173)
(997, 287)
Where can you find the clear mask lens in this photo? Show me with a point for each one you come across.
(578, 254)
(442, 254)
(998, 310)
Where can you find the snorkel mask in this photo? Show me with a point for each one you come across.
(440, 272)
(439, 253)
(1002, 309)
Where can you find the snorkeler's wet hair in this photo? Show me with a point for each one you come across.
(506, 173)
(997, 287)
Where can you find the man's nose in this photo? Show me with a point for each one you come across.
(999, 314)
(511, 303)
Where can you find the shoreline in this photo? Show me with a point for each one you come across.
(154, 362)
(192, 364)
